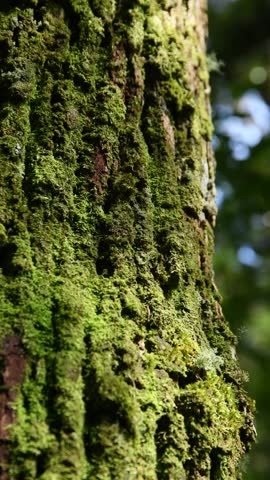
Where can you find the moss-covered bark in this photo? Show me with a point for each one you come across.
(117, 361)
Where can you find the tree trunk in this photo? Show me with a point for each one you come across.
(117, 362)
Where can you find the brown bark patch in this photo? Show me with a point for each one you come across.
(100, 172)
(3, 461)
(138, 70)
(169, 132)
(13, 368)
(119, 66)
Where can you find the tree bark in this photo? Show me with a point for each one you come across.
(116, 360)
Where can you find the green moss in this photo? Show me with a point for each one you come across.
(136, 30)
(105, 9)
(107, 277)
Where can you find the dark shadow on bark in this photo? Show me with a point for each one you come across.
(7, 252)
(101, 413)
(215, 458)
(163, 426)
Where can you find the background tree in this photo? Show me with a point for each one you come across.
(117, 361)
(242, 115)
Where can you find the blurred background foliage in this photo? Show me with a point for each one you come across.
(239, 56)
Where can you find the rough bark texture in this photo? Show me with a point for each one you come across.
(117, 361)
